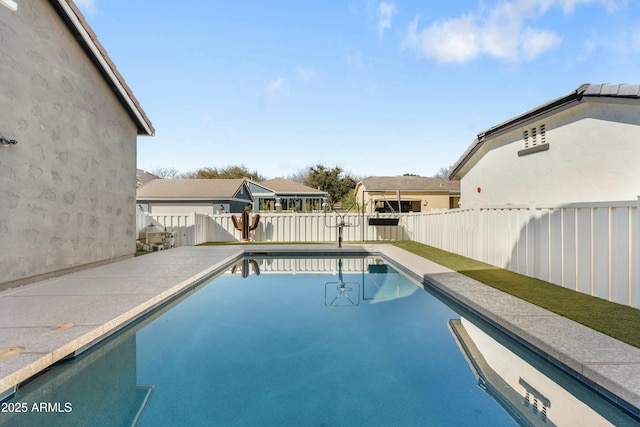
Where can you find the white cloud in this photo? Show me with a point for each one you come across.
(568, 6)
(274, 88)
(536, 42)
(306, 74)
(456, 40)
(87, 7)
(385, 13)
(501, 31)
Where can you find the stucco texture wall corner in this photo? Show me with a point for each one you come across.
(68, 186)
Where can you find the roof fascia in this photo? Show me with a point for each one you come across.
(299, 195)
(246, 187)
(542, 111)
(266, 189)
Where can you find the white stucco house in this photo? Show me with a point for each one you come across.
(67, 184)
(582, 147)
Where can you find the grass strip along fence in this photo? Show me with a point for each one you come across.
(616, 320)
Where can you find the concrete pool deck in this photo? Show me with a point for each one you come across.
(44, 322)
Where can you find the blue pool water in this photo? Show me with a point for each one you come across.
(358, 344)
(269, 350)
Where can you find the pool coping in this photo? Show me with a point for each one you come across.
(102, 300)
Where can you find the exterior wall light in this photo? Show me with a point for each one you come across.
(10, 4)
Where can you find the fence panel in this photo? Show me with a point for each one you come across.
(556, 256)
(584, 239)
(589, 247)
(182, 225)
(542, 246)
(601, 241)
(570, 250)
(221, 229)
(621, 260)
(142, 220)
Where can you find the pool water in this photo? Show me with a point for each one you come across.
(311, 342)
(270, 350)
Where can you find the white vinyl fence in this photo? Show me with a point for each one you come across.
(588, 247)
(193, 229)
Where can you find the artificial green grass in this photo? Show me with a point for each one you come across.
(616, 320)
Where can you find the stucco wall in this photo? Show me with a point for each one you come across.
(67, 188)
(593, 156)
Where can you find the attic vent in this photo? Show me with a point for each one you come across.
(534, 140)
(533, 136)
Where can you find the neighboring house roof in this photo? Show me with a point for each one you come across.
(142, 177)
(190, 189)
(76, 23)
(612, 93)
(409, 184)
(285, 186)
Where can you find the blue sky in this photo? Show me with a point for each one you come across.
(376, 87)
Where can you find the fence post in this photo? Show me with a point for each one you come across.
(477, 234)
(531, 236)
(195, 229)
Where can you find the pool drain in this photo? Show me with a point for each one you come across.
(6, 353)
(62, 326)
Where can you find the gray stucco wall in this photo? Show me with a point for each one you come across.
(67, 189)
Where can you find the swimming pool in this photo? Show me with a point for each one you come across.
(308, 341)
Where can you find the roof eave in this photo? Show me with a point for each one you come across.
(77, 24)
(543, 110)
(300, 193)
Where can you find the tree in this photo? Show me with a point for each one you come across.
(166, 173)
(333, 181)
(229, 172)
(300, 176)
(442, 173)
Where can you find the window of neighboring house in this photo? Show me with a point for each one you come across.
(526, 138)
